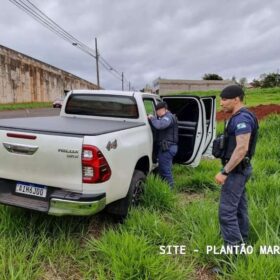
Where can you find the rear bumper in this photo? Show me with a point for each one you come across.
(61, 207)
(58, 202)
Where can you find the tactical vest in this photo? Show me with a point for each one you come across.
(230, 140)
(169, 134)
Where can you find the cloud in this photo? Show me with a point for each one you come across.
(145, 39)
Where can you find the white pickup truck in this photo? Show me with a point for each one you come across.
(97, 153)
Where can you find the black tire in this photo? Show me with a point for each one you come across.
(120, 207)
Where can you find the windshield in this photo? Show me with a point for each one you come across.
(102, 105)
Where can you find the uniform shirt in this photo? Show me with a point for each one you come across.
(167, 128)
(241, 123)
(163, 122)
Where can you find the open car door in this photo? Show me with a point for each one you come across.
(191, 114)
(210, 112)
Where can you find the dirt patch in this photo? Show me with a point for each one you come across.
(186, 198)
(53, 272)
(204, 274)
(261, 111)
(96, 226)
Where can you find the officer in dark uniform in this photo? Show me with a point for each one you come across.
(240, 137)
(166, 140)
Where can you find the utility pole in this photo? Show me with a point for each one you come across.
(129, 86)
(122, 82)
(97, 66)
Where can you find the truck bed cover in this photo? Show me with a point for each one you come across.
(68, 126)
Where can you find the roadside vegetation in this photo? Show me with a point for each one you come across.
(36, 246)
(30, 105)
(253, 97)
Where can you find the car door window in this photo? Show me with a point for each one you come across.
(149, 104)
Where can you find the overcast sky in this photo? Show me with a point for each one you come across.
(147, 39)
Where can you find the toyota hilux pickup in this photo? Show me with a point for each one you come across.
(97, 152)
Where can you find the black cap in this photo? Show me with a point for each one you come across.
(161, 105)
(231, 92)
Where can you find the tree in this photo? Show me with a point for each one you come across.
(262, 76)
(243, 81)
(271, 80)
(212, 76)
(256, 83)
(234, 79)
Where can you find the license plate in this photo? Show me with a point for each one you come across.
(31, 189)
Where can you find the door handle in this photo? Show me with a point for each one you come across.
(20, 149)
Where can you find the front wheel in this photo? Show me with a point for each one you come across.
(120, 207)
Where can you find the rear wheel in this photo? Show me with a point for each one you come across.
(120, 207)
(136, 188)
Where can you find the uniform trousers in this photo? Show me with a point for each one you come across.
(233, 209)
(165, 160)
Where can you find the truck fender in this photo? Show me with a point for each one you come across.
(120, 207)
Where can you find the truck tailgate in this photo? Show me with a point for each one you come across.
(45, 159)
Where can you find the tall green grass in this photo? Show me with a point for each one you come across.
(125, 255)
(157, 195)
(36, 246)
(190, 180)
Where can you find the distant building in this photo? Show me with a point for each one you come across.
(25, 79)
(166, 86)
(147, 88)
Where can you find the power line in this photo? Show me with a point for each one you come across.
(32, 10)
(44, 21)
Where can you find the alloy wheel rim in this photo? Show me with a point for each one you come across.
(138, 190)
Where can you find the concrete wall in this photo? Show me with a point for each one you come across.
(164, 86)
(25, 79)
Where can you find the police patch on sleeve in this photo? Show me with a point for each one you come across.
(241, 125)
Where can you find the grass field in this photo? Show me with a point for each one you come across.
(18, 106)
(36, 246)
(253, 96)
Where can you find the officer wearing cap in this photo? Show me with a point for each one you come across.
(166, 140)
(240, 137)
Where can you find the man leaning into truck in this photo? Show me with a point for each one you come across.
(167, 140)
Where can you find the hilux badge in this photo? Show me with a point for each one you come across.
(112, 145)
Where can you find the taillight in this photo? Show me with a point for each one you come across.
(95, 167)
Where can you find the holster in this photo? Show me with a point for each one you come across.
(164, 145)
(218, 148)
